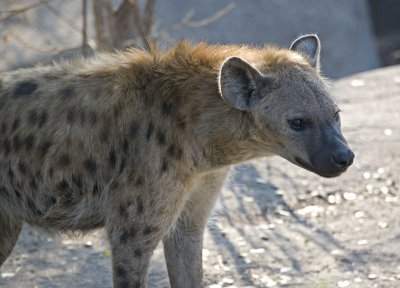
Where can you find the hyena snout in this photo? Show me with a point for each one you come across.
(343, 158)
(333, 159)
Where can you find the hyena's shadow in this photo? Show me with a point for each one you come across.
(252, 211)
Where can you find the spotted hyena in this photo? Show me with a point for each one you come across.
(140, 143)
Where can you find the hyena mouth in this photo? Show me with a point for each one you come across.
(303, 164)
(309, 167)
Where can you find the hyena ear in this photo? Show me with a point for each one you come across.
(310, 46)
(237, 82)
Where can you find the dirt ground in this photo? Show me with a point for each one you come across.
(277, 225)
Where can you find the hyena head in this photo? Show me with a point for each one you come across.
(287, 101)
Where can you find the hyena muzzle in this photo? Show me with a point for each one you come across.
(140, 143)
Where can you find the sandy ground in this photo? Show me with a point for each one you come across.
(277, 225)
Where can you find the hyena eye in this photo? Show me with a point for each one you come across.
(296, 124)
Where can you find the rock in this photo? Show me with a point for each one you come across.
(362, 242)
(343, 283)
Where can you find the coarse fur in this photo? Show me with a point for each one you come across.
(139, 142)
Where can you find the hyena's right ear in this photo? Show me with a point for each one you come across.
(310, 46)
(237, 83)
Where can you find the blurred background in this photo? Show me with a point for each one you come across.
(356, 35)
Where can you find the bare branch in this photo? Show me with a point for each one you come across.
(84, 27)
(137, 21)
(148, 16)
(103, 23)
(187, 22)
(15, 12)
(26, 44)
(62, 17)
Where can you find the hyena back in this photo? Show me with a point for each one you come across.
(140, 142)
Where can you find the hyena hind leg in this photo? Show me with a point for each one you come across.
(9, 232)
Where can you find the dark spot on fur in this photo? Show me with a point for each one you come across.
(161, 137)
(140, 206)
(4, 191)
(112, 159)
(32, 117)
(139, 181)
(33, 208)
(15, 124)
(64, 160)
(63, 185)
(3, 128)
(114, 184)
(54, 76)
(125, 146)
(123, 211)
(7, 146)
(51, 172)
(132, 232)
(104, 136)
(17, 193)
(25, 88)
(31, 204)
(38, 174)
(67, 92)
(71, 116)
(122, 166)
(148, 101)
(171, 151)
(149, 131)
(134, 129)
(90, 166)
(43, 119)
(83, 117)
(120, 272)
(16, 143)
(149, 230)
(175, 152)
(10, 173)
(32, 183)
(167, 108)
(69, 200)
(93, 118)
(124, 237)
(78, 181)
(95, 190)
(164, 166)
(51, 200)
(181, 123)
(29, 142)
(44, 148)
(22, 167)
(117, 110)
(125, 284)
(137, 253)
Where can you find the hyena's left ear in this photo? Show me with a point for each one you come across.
(238, 82)
(310, 46)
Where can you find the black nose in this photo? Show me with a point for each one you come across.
(343, 158)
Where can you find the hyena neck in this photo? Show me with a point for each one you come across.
(224, 135)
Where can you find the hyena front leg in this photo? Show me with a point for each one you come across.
(131, 257)
(183, 246)
(135, 227)
(9, 232)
